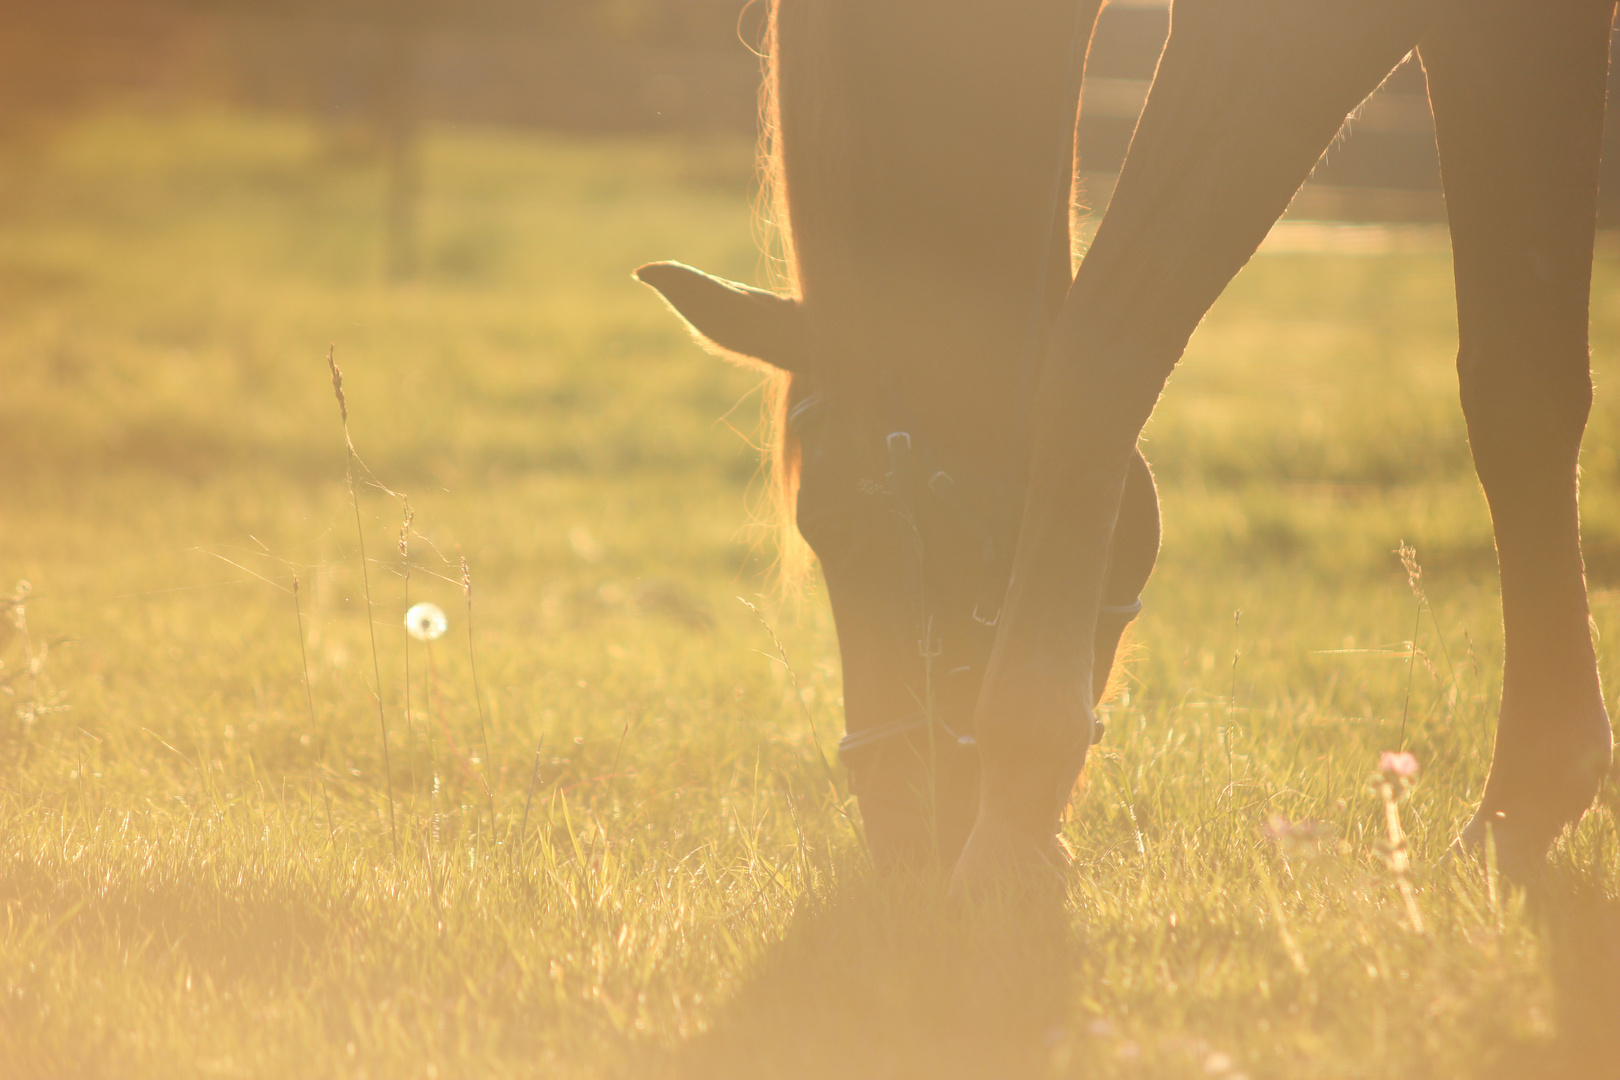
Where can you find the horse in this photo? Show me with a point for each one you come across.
(962, 404)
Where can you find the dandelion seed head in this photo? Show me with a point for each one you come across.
(426, 621)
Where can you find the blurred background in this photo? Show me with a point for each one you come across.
(198, 197)
(373, 72)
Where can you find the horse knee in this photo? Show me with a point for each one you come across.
(1526, 407)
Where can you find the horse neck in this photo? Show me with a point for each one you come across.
(923, 157)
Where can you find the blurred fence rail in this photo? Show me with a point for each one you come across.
(380, 68)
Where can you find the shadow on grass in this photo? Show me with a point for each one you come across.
(1581, 926)
(889, 979)
(256, 927)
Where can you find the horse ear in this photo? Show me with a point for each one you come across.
(736, 318)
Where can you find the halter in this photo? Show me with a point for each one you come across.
(915, 470)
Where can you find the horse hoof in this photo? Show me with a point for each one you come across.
(1521, 816)
(1000, 863)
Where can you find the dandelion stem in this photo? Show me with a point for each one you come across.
(432, 701)
(478, 697)
(405, 561)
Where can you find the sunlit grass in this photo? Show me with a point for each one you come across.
(196, 871)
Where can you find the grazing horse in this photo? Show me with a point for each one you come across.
(931, 268)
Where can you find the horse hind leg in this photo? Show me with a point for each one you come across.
(1517, 88)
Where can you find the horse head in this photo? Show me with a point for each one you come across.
(914, 527)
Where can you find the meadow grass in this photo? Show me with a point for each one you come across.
(621, 855)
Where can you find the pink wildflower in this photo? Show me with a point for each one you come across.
(1401, 764)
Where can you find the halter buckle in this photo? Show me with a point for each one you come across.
(899, 447)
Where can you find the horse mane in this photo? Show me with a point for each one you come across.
(775, 237)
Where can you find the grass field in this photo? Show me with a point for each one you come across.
(617, 852)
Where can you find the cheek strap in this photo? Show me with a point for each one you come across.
(905, 725)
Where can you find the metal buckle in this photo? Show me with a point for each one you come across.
(899, 445)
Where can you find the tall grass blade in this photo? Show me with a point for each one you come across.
(365, 580)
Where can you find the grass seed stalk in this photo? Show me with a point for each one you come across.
(1414, 580)
(365, 580)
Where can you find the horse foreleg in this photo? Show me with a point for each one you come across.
(1517, 88)
(1247, 95)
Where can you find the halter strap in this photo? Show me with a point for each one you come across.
(905, 725)
(914, 470)
(1129, 611)
(856, 740)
